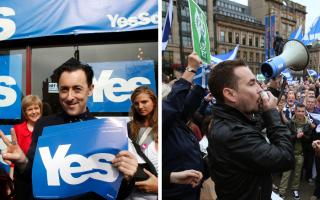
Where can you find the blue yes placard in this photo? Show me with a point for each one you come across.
(73, 159)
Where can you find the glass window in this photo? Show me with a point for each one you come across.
(222, 35)
(44, 65)
(185, 11)
(230, 37)
(262, 42)
(167, 57)
(257, 57)
(257, 41)
(244, 39)
(250, 40)
(186, 26)
(251, 57)
(245, 55)
(237, 38)
(186, 41)
(164, 6)
(238, 54)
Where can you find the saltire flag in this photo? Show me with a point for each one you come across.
(313, 34)
(201, 77)
(312, 72)
(231, 55)
(167, 25)
(297, 34)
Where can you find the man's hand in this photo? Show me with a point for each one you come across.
(13, 152)
(191, 177)
(126, 163)
(316, 147)
(194, 61)
(150, 185)
(268, 101)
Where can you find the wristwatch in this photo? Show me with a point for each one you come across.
(190, 69)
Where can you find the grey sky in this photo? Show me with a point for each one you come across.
(312, 11)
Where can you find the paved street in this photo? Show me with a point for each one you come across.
(305, 193)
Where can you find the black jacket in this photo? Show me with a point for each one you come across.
(180, 148)
(240, 158)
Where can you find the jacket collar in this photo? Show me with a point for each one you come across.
(82, 117)
(227, 112)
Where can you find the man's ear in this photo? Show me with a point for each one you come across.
(230, 95)
(91, 87)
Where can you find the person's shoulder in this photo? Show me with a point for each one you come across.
(20, 125)
(54, 119)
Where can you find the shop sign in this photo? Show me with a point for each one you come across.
(10, 86)
(114, 83)
(37, 18)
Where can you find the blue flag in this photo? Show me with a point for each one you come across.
(297, 34)
(201, 77)
(73, 159)
(167, 26)
(312, 72)
(231, 55)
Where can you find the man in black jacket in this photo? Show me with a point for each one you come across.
(242, 158)
(75, 86)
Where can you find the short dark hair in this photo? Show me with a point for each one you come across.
(223, 76)
(300, 105)
(73, 65)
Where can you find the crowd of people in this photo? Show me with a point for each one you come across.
(235, 137)
(252, 140)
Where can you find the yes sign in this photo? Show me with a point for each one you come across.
(75, 158)
(10, 86)
(114, 83)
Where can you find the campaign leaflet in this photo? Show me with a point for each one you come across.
(75, 158)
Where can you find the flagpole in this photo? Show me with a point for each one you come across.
(179, 2)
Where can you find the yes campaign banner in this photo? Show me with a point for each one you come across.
(10, 86)
(75, 158)
(114, 83)
(199, 30)
(38, 18)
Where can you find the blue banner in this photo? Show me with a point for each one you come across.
(37, 18)
(114, 83)
(75, 158)
(270, 22)
(10, 86)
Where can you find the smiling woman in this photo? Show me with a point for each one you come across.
(32, 111)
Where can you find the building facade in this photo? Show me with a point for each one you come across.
(234, 25)
(229, 24)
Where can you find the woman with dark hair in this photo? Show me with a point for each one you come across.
(143, 131)
(6, 186)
